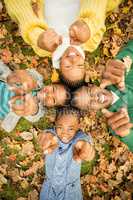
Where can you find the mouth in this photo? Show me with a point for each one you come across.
(72, 54)
(65, 140)
(102, 98)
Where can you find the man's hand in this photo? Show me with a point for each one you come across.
(49, 40)
(79, 33)
(118, 121)
(21, 82)
(114, 74)
(24, 105)
(83, 151)
(48, 142)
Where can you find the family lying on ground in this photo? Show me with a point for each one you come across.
(65, 146)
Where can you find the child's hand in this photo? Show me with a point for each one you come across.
(21, 82)
(24, 105)
(118, 121)
(83, 151)
(49, 40)
(48, 142)
(79, 33)
(114, 74)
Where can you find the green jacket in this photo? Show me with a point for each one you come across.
(126, 97)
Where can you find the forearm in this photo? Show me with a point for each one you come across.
(128, 140)
(93, 13)
(30, 25)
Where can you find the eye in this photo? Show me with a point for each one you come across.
(67, 66)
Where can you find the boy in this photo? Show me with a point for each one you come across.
(117, 97)
(22, 93)
(65, 147)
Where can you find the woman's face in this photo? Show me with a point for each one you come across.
(72, 65)
(92, 98)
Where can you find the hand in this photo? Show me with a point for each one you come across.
(21, 82)
(79, 33)
(118, 121)
(83, 151)
(114, 74)
(24, 105)
(49, 40)
(48, 142)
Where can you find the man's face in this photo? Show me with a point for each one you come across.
(92, 98)
(66, 127)
(53, 95)
(72, 65)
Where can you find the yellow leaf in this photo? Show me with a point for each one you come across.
(55, 76)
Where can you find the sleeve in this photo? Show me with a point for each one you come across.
(36, 76)
(126, 55)
(93, 13)
(126, 51)
(10, 121)
(30, 25)
(127, 140)
(4, 71)
(40, 113)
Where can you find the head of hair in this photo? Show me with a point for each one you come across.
(71, 84)
(74, 99)
(68, 95)
(67, 110)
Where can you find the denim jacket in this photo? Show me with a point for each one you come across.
(62, 172)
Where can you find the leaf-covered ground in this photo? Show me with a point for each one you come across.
(110, 175)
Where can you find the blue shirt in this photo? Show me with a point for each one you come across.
(62, 172)
(5, 96)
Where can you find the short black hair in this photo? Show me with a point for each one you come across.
(68, 95)
(71, 84)
(67, 110)
(74, 99)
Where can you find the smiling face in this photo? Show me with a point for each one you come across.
(92, 98)
(53, 95)
(72, 65)
(66, 126)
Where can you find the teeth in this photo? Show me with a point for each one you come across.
(102, 98)
(72, 54)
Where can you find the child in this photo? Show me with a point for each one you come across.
(22, 88)
(65, 147)
(117, 95)
(69, 59)
(42, 22)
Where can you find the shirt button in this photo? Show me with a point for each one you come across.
(73, 184)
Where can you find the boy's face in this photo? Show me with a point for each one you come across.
(66, 127)
(93, 97)
(72, 65)
(53, 95)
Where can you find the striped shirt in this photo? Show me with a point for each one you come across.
(5, 96)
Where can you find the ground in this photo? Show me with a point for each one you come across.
(110, 175)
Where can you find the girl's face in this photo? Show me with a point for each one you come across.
(53, 95)
(66, 127)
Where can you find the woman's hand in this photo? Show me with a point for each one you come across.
(21, 82)
(114, 74)
(49, 40)
(119, 121)
(24, 105)
(79, 33)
